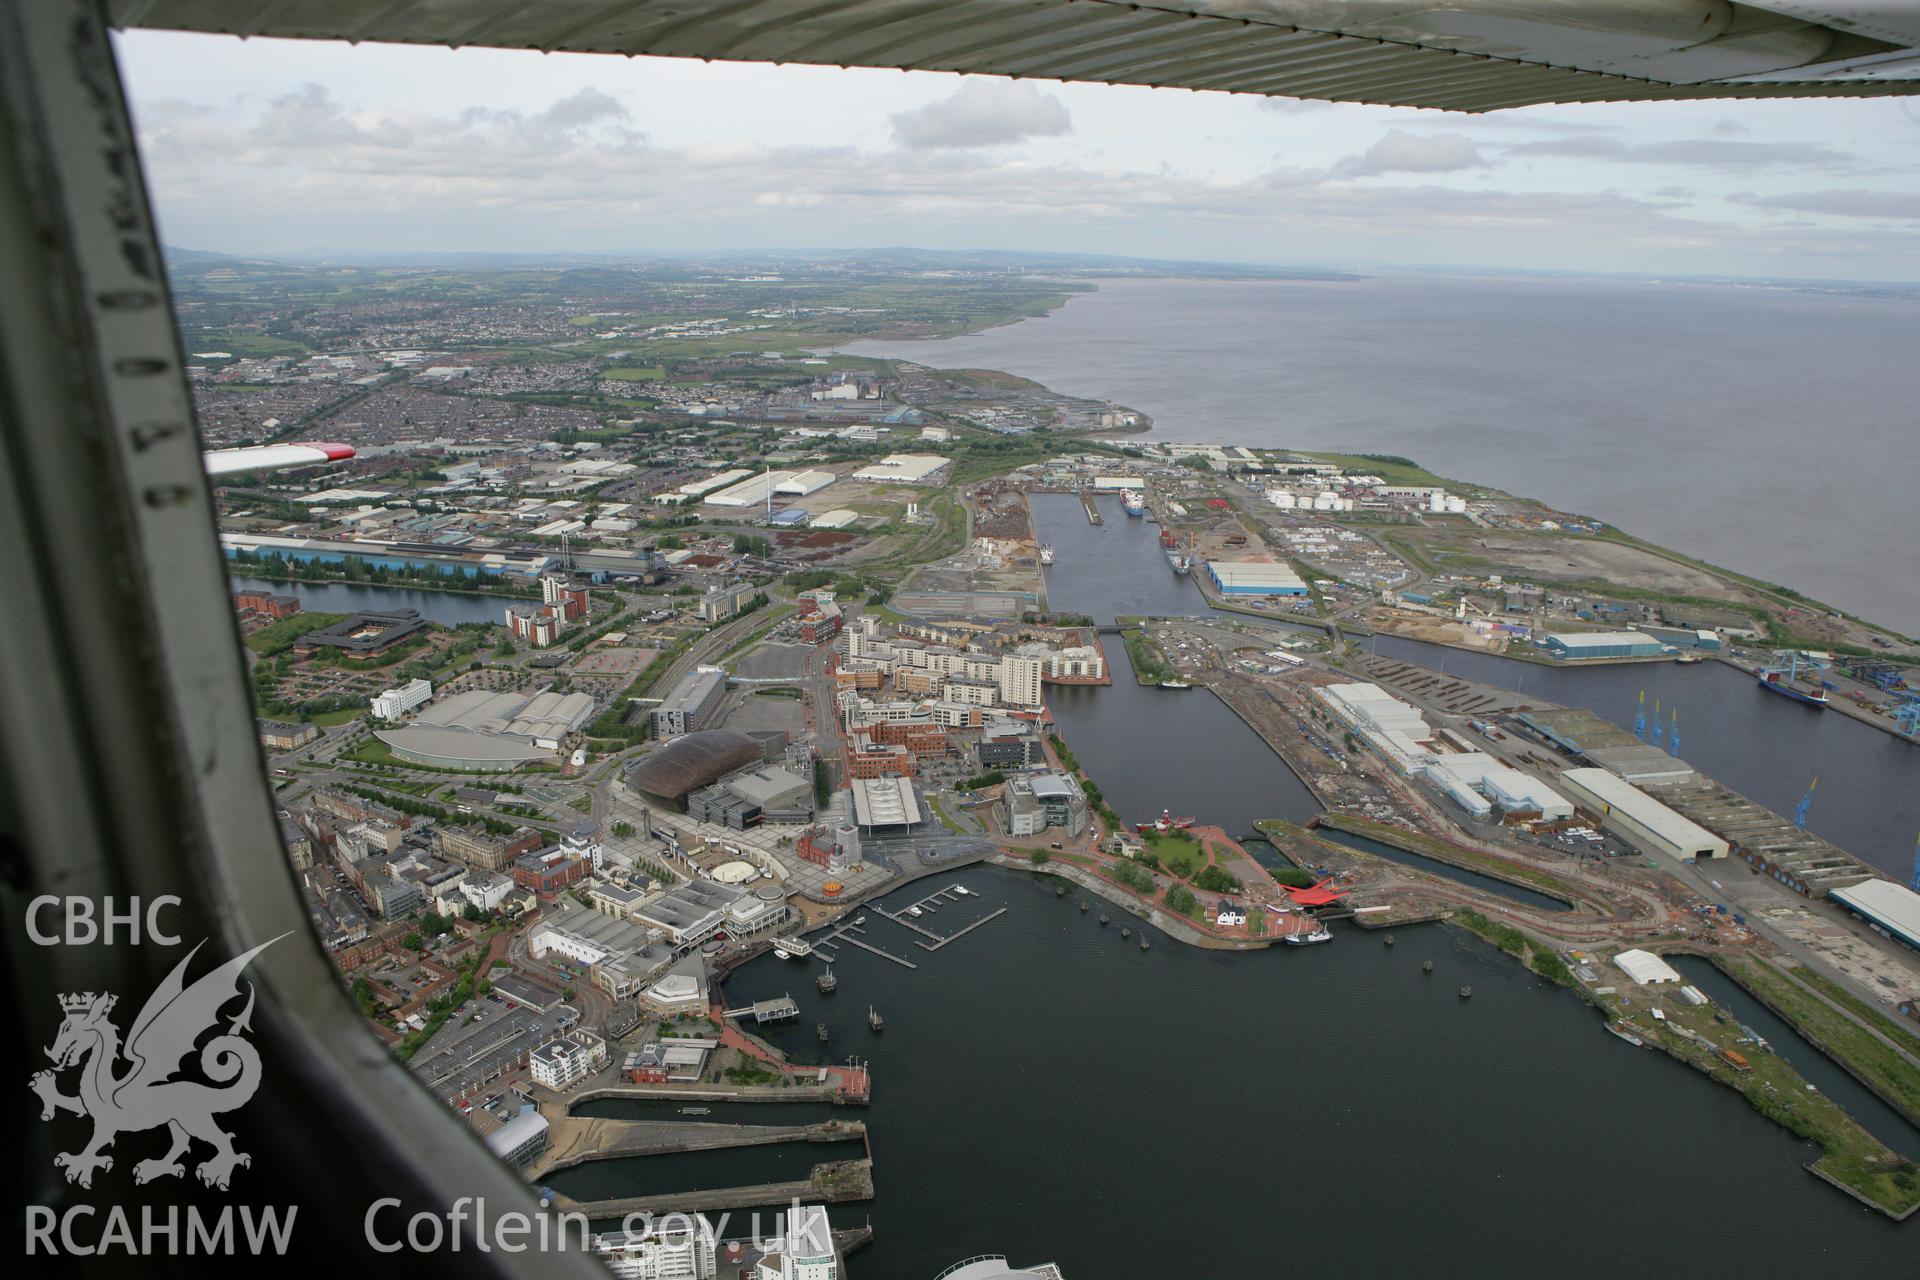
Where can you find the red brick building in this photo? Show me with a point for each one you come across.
(879, 761)
(265, 604)
(550, 871)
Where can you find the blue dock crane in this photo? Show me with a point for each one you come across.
(1806, 803)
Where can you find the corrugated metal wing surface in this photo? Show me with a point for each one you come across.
(1080, 40)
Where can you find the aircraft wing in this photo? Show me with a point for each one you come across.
(272, 457)
(1462, 55)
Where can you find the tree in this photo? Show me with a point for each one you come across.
(623, 830)
(1041, 857)
(413, 942)
(1180, 899)
(1215, 880)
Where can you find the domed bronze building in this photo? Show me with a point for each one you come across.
(690, 762)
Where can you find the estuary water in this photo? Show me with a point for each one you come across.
(1772, 431)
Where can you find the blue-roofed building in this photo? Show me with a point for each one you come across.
(1576, 645)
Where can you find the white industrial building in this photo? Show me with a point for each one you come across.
(707, 484)
(903, 468)
(1479, 783)
(482, 730)
(1114, 484)
(1649, 824)
(1890, 907)
(1390, 726)
(1646, 968)
(1255, 578)
(391, 704)
(754, 491)
(801, 483)
(838, 518)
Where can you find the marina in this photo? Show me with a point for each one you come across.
(1526, 1044)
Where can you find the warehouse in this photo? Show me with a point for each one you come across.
(802, 483)
(903, 468)
(1650, 825)
(490, 732)
(706, 484)
(1884, 905)
(1468, 777)
(754, 491)
(1576, 645)
(1646, 968)
(1391, 727)
(1255, 578)
(838, 518)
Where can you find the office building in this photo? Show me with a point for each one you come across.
(391, 704)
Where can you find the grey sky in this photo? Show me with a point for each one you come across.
(266, 146)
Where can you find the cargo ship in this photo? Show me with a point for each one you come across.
(1132, 503)
(1780, 680)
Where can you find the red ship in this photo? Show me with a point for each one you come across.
(1165, 822)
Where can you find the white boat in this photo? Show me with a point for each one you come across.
(960, 889)
(1175, 684)
(1046, 555)
(913, 911)
(792, 948)
(1320, 934)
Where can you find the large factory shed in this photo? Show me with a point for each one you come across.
(1649, 824)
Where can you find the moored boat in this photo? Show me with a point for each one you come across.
(1320, 934)
(792, 948)
(1626, 1035)
(1132, 503)
(1779, 680)
(1165, 822)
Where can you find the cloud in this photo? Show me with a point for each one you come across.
(1848, 204)
(581, 174)
(1704, 153)
(1730, 128)
(1294, 106)
(983, 113)
(1401, 152)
